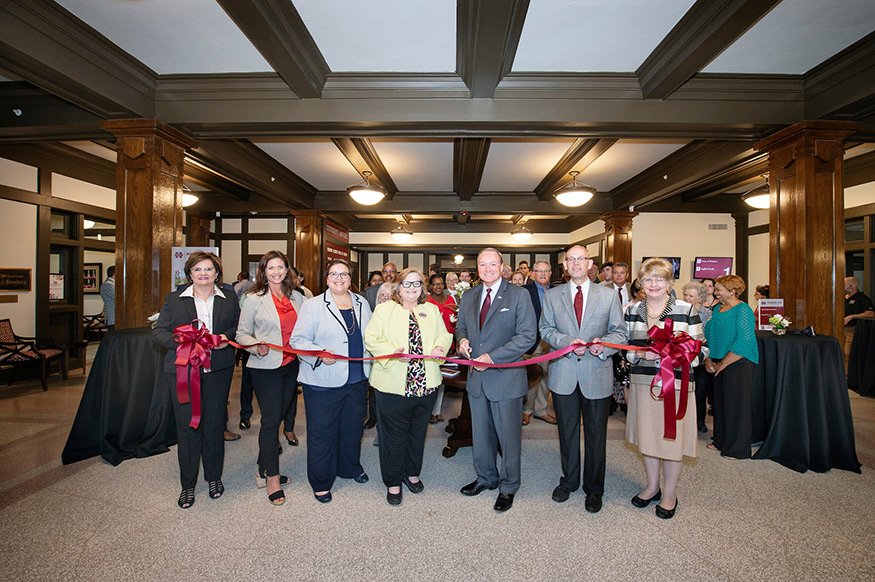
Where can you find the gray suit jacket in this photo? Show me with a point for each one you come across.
(371, 295)
(260, 322)
(602, 318)
(509, 330)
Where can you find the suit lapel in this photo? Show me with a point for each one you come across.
(567, 301)
(267, 300)
(591, 305)
(190, 310)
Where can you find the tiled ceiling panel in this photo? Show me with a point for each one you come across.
(519, 167)
(625, 159)
(796, 36)
(418, 165)
(173, 36)
(594, 35)
(383, 35)
(317, 161)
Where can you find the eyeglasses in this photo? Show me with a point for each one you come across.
(336, 275)
(542, 271)
(203, 269)
(654, 280)
(389, 271)
(577, 259)
(409, 284)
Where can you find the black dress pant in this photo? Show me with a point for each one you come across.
(274, 389)
(733, 421)
(704, 391)
(335, 424)
(402, 422)
(206, 442)
(246, 388)
(569, 410)
(291, 410)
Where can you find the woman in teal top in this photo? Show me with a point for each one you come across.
(733, 349)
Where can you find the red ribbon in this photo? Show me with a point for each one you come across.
(195, 343)
(674, 351)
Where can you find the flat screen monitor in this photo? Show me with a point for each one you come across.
(712, 267)
(675, 263)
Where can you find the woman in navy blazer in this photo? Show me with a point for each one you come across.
(203, 299)
(334, 390)
(269, 314)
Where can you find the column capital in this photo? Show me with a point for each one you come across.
(144, 127)
(822, 129)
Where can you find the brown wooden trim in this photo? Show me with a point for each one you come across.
(487, 35)
(63, 159)
(704, 32)
(579, 156)
(742, 250)
(745, 173)
(276, 29)
(761, 229)
(469, 160)
(27, 197)
(859, 170)
(473, 225)
(843, 83)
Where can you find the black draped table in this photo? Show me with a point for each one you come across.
(801, 408)
(126, 410)
(861, 361)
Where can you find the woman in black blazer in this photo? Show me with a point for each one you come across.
(204, 299)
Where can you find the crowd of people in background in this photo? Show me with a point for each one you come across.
(494, 313)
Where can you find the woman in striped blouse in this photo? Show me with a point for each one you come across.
(645, 418)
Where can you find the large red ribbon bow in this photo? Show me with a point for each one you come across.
(195, 343)
(674, 351)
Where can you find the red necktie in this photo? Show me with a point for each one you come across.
(485, 308)
(620, 292)
(578, 305)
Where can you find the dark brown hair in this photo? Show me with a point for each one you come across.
(261, 286)
(198, 256)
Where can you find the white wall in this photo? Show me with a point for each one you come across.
(591, 229)
(18, 175)
(681, 235)
(79, 191)
(20, 220)
(860, 195)
(758, 264)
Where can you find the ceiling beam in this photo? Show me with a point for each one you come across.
(364, 158)
(690, 166)
(276, 29)
(833, 88)
(722, 181)
(487, 35)
(214, 182)
(859, 170)
(579, 156)
(364, 224)
(704, 32)
(469, 160)
(461, 218)
(47, 46)
(431, 203)
(63, 159)
(247, 165)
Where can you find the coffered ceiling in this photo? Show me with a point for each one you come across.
(470, 113)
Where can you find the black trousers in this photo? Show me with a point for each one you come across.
(733, 421)
(704, 391)
(206, 442)
(401, 427)
(246, 388)
(274, 389)
(335, 424)
(569, 410)
(372, 405)
(291, 410)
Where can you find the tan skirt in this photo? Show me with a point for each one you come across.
(645, 424)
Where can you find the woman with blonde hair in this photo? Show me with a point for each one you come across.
(645, 421)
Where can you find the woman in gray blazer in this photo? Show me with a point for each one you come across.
(334, 390)
(269, 314)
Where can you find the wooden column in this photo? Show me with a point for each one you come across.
(806, 222)
(199, 233)
(148, 214)
(309, 248)
(618, 237)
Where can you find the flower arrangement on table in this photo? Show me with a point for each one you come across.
(780, 324)
(152, 319)
(461, 287)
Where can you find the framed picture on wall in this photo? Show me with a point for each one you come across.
(91, 273)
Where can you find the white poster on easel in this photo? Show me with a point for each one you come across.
(180, 256)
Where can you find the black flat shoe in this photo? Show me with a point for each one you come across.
(702, 427)
(474, 488)
(363, 478)
(371, 423)
(216, 489)
(245, 424)
(663, 513)
(413, 487)
(394, 498)
(639, 502)
(503, 502)
(186, 498)
(561, 493)
(324, 498)
(593, 503)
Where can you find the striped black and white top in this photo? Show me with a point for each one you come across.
(685, 319)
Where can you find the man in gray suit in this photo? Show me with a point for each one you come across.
(390, 271)
(496, 325)
(582, 381)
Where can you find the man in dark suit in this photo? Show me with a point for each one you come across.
(537, 400)
(582, 381)
(496, 325)
(390, 271)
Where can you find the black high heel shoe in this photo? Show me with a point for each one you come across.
(663, 513)
(293, 440)
(216, 489)
(639, 502)
(186, 498)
